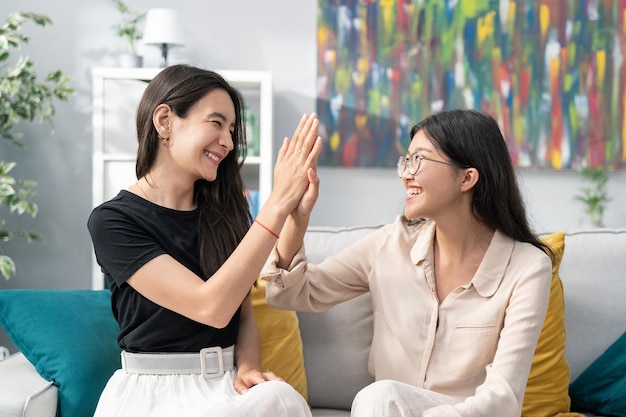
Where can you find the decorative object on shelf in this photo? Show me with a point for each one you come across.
(128, 30)
(252, 131)
(22, 97)
(163, 29)
(593, 194)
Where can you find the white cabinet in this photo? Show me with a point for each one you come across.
(116, 94)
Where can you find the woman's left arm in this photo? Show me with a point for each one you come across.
(248, 351)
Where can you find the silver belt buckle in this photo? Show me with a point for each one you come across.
(220, 361)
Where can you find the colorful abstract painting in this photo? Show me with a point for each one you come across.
(551, 72)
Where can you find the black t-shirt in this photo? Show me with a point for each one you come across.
(127, 232)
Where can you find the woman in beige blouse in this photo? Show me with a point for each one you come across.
(459, 284)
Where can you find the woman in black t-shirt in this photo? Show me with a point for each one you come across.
(180, 252)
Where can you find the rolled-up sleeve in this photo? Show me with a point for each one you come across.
(308, 287)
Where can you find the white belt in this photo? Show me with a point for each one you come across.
(211, 362)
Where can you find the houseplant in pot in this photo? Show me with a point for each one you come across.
(593, 194)
(23, 97)
(128, 30)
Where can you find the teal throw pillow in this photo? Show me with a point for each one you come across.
(601, 388)
(70, 336)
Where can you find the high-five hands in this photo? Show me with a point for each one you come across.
(295, 172)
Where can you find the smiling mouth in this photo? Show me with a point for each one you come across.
(212, 156)
(413, 191)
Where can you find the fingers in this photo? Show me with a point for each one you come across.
(240, 387)
(304, 136)
(314, 152)
(299, 128)
(251, 378)
(296, 157)
(309, 198)
(271, 376)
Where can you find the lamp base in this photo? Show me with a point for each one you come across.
(165, 47)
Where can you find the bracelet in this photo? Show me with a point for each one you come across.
(267, 228)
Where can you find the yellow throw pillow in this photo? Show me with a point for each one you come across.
(281, 342)
(547, 389)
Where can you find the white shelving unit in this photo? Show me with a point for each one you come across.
(116, 93)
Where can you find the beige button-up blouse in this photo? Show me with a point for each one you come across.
(477, 344)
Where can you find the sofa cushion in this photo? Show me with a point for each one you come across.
(548, 381)
(25, 393)
(592, 271)
(601, 388)
(281, 343)
(336, 342)
(70, 336)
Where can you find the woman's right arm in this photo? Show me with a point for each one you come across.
(215, 301)
(292, 233)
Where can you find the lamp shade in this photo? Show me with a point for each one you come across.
(163, 27)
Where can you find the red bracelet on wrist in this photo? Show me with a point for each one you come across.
(267, 228)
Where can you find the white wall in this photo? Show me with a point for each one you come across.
(274, 35)
(365, 196)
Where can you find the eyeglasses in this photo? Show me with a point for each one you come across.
(414, 162)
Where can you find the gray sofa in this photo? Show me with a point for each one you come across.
(336, 342)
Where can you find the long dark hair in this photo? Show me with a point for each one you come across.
(223, 208)
(473, 139)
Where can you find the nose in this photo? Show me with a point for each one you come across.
(226, 141)
(404, 172)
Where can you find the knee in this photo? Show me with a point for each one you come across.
(374, 397)
(280, 388)
(280, 391)
(379, 389)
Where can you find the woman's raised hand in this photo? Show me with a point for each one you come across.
(296, 164)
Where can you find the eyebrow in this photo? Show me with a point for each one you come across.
(420, 149)
(219, 116)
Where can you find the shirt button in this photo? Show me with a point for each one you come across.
(426, 263)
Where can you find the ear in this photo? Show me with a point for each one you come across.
(469, 178)
(161, 118)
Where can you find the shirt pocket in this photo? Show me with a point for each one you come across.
(471, 348)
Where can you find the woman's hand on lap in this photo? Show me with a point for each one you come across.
(248, 379)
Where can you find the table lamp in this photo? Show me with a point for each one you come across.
(163, 29)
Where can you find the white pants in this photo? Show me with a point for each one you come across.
(134, 395)
(387, 398)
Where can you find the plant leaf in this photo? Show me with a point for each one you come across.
(7, 266)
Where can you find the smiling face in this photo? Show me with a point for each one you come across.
(199, 141)
(435, 187)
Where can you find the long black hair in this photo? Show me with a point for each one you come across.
(470, 138)
(223, 209)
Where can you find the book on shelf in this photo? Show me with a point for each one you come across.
(253, 201)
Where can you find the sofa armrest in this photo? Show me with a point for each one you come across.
(23, 392)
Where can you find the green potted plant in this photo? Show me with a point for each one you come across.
(22, 97)
(593, 194)
(128, 30)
